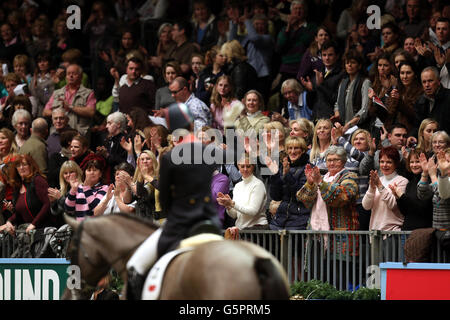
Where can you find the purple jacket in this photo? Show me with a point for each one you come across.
(220, 183)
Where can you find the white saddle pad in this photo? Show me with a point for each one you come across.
(153, 283)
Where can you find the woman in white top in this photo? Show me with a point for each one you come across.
(248, 205)
(379, 197)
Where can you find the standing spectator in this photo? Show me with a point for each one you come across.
(79, 149)
(40, 37)
(259, 46)
(418, 213)
(184, 48)
(84, 197)
(36, 145)
(413, 25)
(323, 88)
(222, 97)
(426, 130)
(197, 65)
(249, 199)
(379, 197)
(302, 128)
(62, 39)
(351, 107)
(443, 179)
(163, 97)
(243, 76)
(294, 39)
(252, 118)
(440, 141)
(214, 68)
(205, 32)
(30, 198)
(401, 101)
(136, 91)
(434, 102)
(200, 111)
(312, 58)
(321, 141)
(76, 99)
(10, 44)
(390, 33)
(427, 189)
(287, 212)
(296, 106)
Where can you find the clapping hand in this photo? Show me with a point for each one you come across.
(374, 181)
(395, 190)
(443, 163)
(224, 200)
(313, 175)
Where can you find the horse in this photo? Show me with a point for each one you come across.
(216, 270)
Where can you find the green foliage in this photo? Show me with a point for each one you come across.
(316, 289)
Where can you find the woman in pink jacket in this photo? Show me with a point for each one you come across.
(379, 198)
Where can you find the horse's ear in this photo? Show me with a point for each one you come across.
(73, 223)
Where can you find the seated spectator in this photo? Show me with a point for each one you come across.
(363, 40)
(397, 138)
(41, 39)
(332, 197)
(351, 106)
(391, 35)
(243, 75)
(36, 145)
(417, 212)
(252, 118)
(197, 65)
(349, 17)
(111, 150)
(214, 68)
(413, 25)
(118, 198)
(84, 197)
(296, 106)
(273, 138)
(56, 160)
(17, 102)
(205, 32)
(8, 146)
(21, 121)
(221, 98)
(426, 130)
(379, 197)
(164, 46)
(10, 44)
(62, 39)
(179, 88)
(30, 199)
(398, 57)
(57, 195)
(60, 123)
(287, 212)
(249, 199)
(70, 56)
(220, 183)
(163, 97)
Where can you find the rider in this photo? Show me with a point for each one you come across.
(185, 196)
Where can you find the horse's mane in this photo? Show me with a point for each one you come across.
(147, 222)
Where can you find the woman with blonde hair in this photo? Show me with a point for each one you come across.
(253, 118)
(69, 170)
(302, 128)
(243, 75)
(427, 127)
(320, 143)
(274, 133)
(145, 186)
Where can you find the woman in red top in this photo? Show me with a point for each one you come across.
(30, 201)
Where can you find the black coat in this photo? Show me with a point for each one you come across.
(324, 96)
(291, 214)
(243, 76)
(440, 112)
(185, 194)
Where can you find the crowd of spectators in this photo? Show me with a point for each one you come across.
(355, 122)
